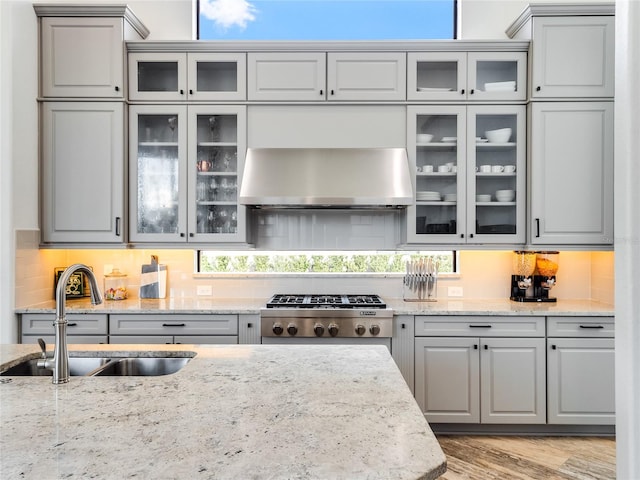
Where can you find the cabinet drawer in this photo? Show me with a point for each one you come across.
(173, 324)
(206, 339)
(78, 324)
(479, 326)
(71, 339)
(581, 327)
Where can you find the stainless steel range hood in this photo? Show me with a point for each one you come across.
(326, 178)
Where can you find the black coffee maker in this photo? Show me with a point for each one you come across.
(527, 287)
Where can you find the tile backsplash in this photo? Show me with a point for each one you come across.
(483, 274)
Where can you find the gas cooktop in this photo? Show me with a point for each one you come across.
(325, 301)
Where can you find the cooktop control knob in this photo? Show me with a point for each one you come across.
(318, 329)
(277, 329)
(292, 329)
(360, 330)
(333, 329)
(375, 329)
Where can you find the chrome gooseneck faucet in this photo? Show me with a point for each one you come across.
(60, 362)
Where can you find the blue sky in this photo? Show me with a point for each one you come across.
(326, 19)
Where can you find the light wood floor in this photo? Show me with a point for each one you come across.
(528, 458)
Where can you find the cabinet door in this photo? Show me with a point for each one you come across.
(437, 76)
(496, 172)
(286, 76)
(513, 380)
(82, 172)
(573, 57)
(571, 173)
(447, 373)
(402, 347)
(217, 76)
(158, 76)
(217, 146)
(249, 329)
(158, 173)
(82, 57)
(497, 76)
(581, 379)
(436, 142)
(366, 76)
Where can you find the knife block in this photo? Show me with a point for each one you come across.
(416, 293)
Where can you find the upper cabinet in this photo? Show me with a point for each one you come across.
(470, 174)
(184, 167)
(571, 173)
(467, 76)
(334, 76)
(573, 49)
(83, 57)
(82, 173)
(180, 76)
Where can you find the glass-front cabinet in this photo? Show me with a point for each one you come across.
(436, 142)
(462, 76)
(183, 76)
(469, 165)
(185, 164)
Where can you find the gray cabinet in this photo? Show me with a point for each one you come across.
(186, 76)
(480, 369)
(573, 57)
(581, 370)
(82, 176)
(334, 76)
(455, 76)
(402, 347)
(82, 49)
(173, 328)
(81, 328)
(459, 173)
(249, 329)
(185, 165)
(572, 49)
(571, 173)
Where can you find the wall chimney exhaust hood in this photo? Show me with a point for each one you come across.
(326, 178)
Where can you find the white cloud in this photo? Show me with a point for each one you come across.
(228, 13)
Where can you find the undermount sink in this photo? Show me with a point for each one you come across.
(106, 366)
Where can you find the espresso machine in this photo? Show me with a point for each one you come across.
(534, 274)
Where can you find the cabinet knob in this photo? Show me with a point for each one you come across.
(486, 347)
(182, 235)
(553, 347)
(332, 93)
(181, 92)
(321, 92)
(192, 235)
(538, 88)
(472, 91)
(117, 88)
(475, 347)
(471, 235)
(190, 92)
(462, 235)
(462, 92)
(249, 325)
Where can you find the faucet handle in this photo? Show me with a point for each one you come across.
(43, 347)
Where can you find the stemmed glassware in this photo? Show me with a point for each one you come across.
(212, 126)
(173, 123)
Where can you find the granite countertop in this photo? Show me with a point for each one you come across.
(462, 306)
(238, 411)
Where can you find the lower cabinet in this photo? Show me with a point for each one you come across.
(81, 328)
(581, 370)
(481, 369)
(173, 328)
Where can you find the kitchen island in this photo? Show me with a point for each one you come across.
(238, 411)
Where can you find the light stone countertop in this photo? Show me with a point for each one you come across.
(449, 306)
(233, 412)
